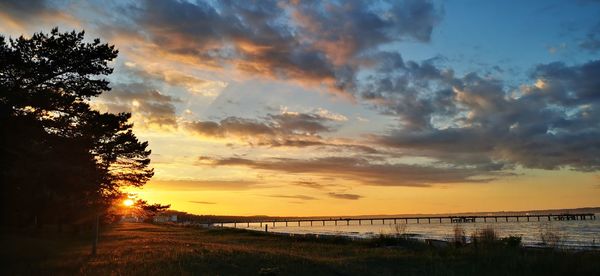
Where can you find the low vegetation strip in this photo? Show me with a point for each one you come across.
(150, 249)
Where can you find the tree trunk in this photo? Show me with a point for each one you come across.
(96, 231)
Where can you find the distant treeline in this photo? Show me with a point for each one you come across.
(61, 162)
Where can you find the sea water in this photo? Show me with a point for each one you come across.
(571, 234)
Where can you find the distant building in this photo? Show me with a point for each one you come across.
(165, 218)
(131, 218)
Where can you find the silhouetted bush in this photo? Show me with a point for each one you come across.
(512, 241)
(459, 237)
(550, 236)
(485, 236)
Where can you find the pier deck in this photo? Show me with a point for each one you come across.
(410, 219)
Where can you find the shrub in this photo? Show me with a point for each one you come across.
(512, 241)
(398, 230)
(459, 237)
(487, 235)
(550, 236)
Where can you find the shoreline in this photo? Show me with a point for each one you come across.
(416, 237)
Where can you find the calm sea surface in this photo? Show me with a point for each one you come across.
(573, 234)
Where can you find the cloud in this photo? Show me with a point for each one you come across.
(479, 122)
(149, 107)
(24, 9)
(202, 202)
(302, 123)
(288, 129)
(285, 125)
(312, 185)
(18, 17)
(471, 126)
(160, 75)
(300, 197)
(301, 41)
(344, 196)
(250, 38)
(591, 42)
(201, 185)
(365, 25)
(362, 170)
(324, 113)
(231, 126)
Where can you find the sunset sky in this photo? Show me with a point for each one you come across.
(348, 107)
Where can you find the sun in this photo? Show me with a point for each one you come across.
(128, 202)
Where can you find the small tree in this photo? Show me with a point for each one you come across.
(149, 211)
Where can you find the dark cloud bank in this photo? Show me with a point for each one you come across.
(473, 126)
(301, 41)
(345, 196)
(474, 120)
(279, 130)
(359, 169)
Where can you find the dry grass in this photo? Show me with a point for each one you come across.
(485, 235)
(133, 248)
(147, 249)
(398, 230)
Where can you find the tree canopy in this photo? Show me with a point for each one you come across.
(60, 160)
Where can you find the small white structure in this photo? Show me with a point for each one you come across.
(131, 218)
(165, 218)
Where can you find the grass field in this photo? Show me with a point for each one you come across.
(148, 249)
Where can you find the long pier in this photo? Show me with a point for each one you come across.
(411, 219)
